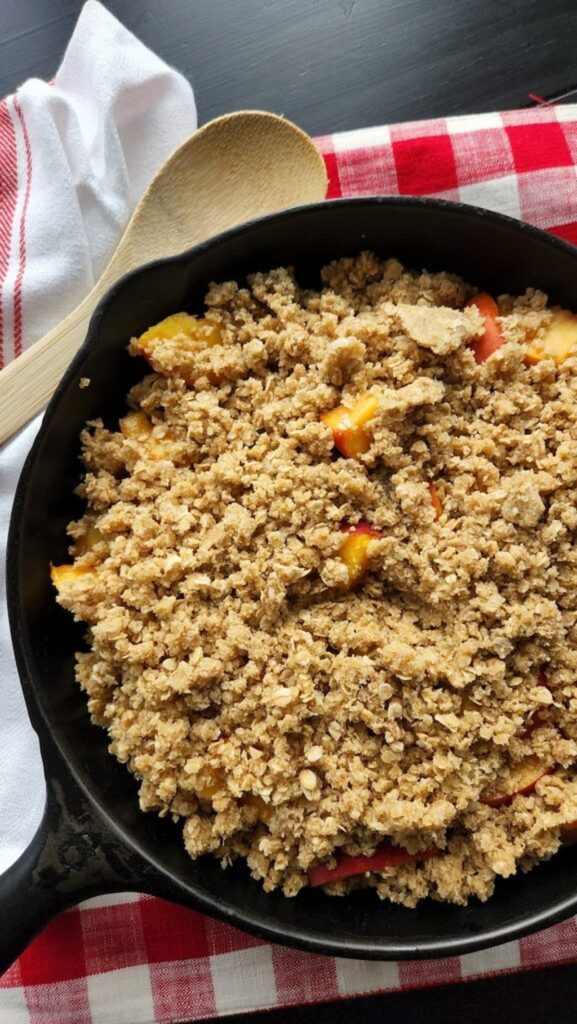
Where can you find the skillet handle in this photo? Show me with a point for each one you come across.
(72, 856)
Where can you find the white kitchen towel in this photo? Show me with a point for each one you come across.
(75, 156)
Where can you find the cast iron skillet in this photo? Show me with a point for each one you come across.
(93, 839)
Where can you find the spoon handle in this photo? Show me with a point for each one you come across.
(35, 374)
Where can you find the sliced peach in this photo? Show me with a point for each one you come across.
(491, 339)
(213, 781)
(521, 780)
(264, 811)
(92, 537)
(559, 341)
(435, 501)
(63, 575)
(193, 327)
(364, 409)
(85, 544)
(385, 856)
(354, 549)
(136, 426)
(347, 425)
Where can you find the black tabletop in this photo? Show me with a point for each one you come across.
(331, 65)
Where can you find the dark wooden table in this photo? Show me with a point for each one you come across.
(331, 65)
(328, 64)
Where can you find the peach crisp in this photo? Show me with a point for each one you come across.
(328, 572)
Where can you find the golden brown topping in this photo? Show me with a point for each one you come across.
(300, 696)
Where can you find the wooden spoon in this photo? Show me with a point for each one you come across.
(234, 168)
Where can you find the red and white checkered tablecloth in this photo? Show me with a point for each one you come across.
(129, 959)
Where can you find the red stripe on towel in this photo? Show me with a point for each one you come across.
(8, 194)
(22, 236)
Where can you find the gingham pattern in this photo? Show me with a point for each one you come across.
(130, 959)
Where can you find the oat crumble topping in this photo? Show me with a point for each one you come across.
(283, 714)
